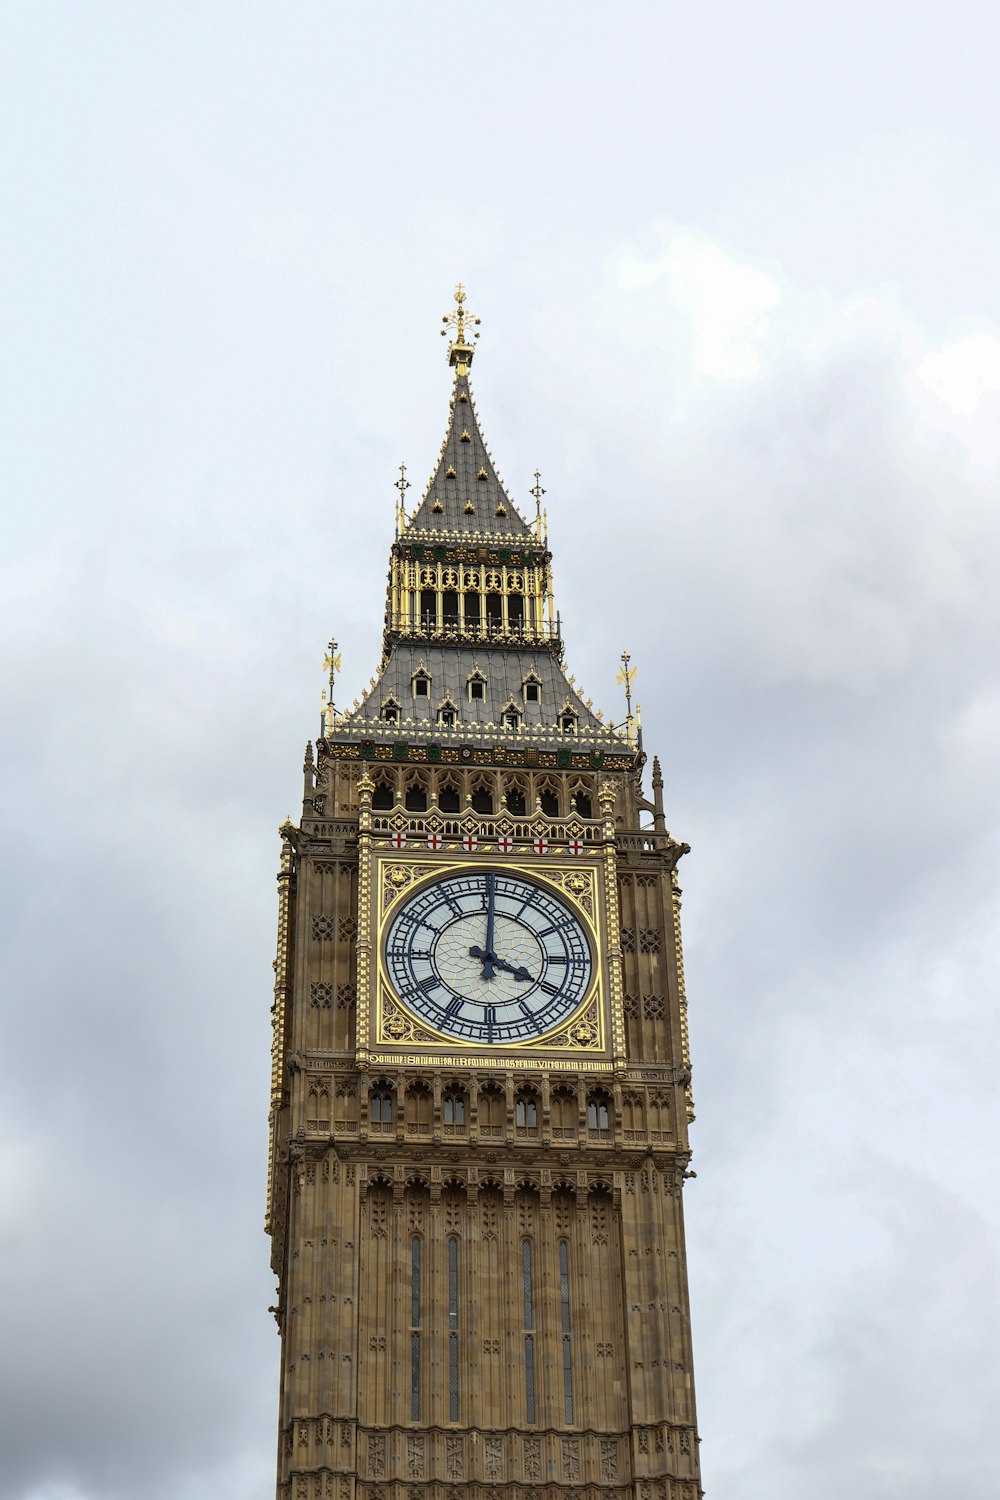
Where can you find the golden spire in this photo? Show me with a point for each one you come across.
(538, 492)
(460, 351)
(625, 676)
(331, 664)
(402, 484)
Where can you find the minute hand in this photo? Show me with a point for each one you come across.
(486, 954)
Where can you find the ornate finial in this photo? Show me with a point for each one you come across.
(402, 484)
(625, 676)
(460, 351)
(538, 492)
(331, 664)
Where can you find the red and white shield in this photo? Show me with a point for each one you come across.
(541, 844)
(575, 846)
(505, 845)
(433, 841)
(470, 843)
(398, 840)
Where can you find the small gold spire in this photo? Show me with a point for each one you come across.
(538, 492)
(625, 676)
(460, 351)
(402, 484)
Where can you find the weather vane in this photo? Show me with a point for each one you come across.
(331, 664)
(625, 676)
(460, 351)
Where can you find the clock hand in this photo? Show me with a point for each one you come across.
(488, 957)
(520, 972)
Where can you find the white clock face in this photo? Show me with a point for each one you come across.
(488, 957)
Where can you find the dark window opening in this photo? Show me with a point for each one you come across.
(421, 686)
(449, 607)
(472, 609)
(494, 610)
(516, 802)
(380, 1108)
(567, 723)
(454, 1109)
(512, 719)
(447, 717)
(477, 690)
(449, 800)
(583, 805)
(526, 1113)
(428, 608)
(482, 800)
(383, 796)
(532, 692)
(550, 804)
(515, 611)
(390, 713)
(416, 799)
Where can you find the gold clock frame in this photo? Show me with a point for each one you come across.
(396, 1035)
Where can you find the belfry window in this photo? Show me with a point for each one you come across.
(449, 798)
(383, 797)
(415, 799)
(516, 802)
(482, 800)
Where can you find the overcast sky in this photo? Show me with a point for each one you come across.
(737, 271)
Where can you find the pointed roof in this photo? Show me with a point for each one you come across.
(465, 493)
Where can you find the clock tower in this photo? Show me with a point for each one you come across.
(480, 1087)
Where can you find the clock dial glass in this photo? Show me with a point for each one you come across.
(488, 957)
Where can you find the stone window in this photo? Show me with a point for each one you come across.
(380, 1106)
(599, 1114)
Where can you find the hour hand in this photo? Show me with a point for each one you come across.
(487, 959)
(520, 972)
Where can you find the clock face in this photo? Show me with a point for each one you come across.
(488, 957)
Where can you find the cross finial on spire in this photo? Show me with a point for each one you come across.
(331, 664)
(460, 351)
(402, 484)
(625, 676)
(538, 492)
